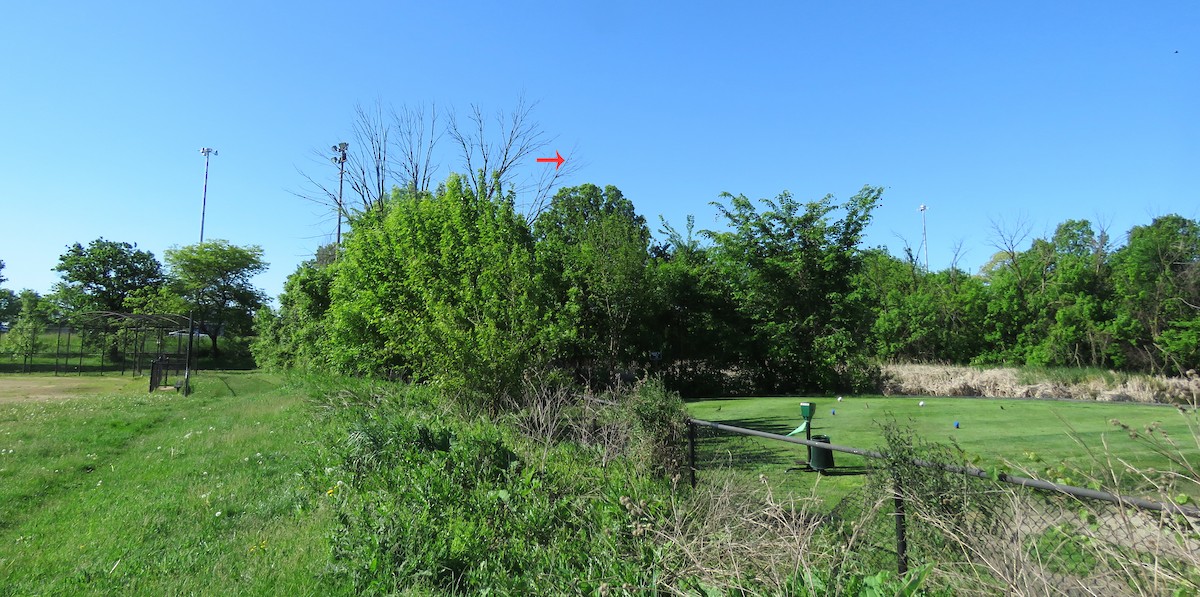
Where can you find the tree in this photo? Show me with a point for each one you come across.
(440, 288)
(1156, 283)
(10, 305)
(24, 338)
(215, 278)
(790, 270)
(495, 157)
(101, 276)
(295, 336)
(592, 253)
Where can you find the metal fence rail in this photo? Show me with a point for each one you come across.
(1075, 539)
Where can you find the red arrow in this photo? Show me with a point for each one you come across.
(557, 159)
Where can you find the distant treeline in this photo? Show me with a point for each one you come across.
(449, 288)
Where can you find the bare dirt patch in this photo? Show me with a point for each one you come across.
(25, 388)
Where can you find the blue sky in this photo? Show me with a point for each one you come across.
(1032, 112)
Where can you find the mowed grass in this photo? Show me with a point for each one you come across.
(1064, 441)
(127, 492)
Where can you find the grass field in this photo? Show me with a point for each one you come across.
(1065, 441)
(118, 491)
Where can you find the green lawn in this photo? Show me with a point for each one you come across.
(1053, 440)
(130, 492)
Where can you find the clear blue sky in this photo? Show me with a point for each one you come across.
(1002, 111)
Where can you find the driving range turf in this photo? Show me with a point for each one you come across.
(1056, 440)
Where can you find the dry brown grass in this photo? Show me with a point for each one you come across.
(1004, 382)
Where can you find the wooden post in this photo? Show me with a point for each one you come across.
(692, 452)
(901, 539)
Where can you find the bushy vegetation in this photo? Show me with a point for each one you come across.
(444, 287)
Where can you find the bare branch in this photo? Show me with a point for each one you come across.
(368, 170)
(417, 136)
(496, 169)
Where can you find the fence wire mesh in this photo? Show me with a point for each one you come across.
(990, 535)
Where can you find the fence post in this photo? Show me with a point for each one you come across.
(901, 540)
(692, 452)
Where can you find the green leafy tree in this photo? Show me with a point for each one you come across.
(790, 269)
(295, 335)
(10, 305)
(1157, 284)
(922, 316)
(439, 287)
(214, 277)
(23, 339)
(693, 320)
(102, 275)
(592, 254)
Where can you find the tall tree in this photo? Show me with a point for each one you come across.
(592, 252)
(215, 278)
(1156, 280)
(102, 275)
(439, 287)
(790, 269)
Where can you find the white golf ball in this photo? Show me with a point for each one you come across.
(839, 398)
(921, 403)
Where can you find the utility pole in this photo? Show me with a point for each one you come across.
(924, 237)
(339, 158)
(187, 365)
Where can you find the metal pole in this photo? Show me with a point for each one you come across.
(187, 366)
(340, 160)
(924, 237)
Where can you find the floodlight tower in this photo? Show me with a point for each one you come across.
(924, 236)
(339, 158)
(207, 152)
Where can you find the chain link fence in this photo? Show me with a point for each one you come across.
(995, 532)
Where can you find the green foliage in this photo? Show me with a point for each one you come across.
(430, 504)
(24, 338)
(592, 257)
(790, 270)
(215, 278)
(1157, 277)
(659, 420)
(101, 276)
(440, 288)
(296, 335)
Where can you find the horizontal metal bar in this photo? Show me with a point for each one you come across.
(969, 471)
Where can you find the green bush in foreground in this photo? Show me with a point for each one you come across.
(427, 503)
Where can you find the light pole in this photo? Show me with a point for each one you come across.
(206, 152)
(924, 237)
(187, 365)
(339, 158)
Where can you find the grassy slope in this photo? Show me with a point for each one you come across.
(162, 494)
(1037, 435)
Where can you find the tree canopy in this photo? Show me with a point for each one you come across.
(215, 279)
(102, 275)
